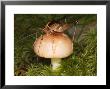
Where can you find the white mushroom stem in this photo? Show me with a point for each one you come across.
(56, 62)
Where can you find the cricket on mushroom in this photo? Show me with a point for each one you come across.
(54, 44)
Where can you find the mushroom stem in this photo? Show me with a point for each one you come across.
(55, 63)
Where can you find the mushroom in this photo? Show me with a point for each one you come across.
(55, 46)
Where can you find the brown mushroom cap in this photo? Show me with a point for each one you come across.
(57, 45)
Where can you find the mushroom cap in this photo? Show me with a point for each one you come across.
(57, 45)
